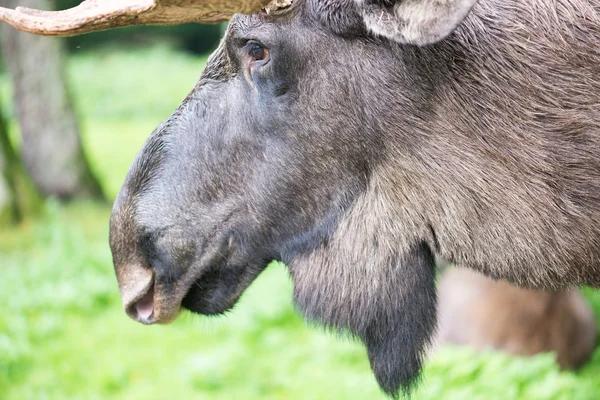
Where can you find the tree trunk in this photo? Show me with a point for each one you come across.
(51, 149)
(17, 193)
(8, 207)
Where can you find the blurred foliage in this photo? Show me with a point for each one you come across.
(63, 333)
(195, 38)
(167, 78)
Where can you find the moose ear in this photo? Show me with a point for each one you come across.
(417, 22)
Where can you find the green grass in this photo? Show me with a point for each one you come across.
(64, 335)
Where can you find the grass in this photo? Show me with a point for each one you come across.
(63, 334)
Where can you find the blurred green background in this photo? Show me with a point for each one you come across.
(64, 335)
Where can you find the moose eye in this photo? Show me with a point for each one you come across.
(257, 52)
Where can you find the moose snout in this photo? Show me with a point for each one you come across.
(146, 265)
(136, 284)
(147, 298)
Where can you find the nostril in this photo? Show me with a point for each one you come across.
(145, 305)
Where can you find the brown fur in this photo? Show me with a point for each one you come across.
(486, 314)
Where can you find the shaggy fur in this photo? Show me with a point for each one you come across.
(355, 158)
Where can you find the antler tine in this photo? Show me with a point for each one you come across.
(89, 16)
(96, 15)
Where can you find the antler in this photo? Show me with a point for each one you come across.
(96, 15)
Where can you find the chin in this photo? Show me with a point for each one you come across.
(200, 302)
(214, 293)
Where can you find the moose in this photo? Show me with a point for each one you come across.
(356, 140)
(484, 314)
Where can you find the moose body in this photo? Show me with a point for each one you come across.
(485, 314)
(356, 140)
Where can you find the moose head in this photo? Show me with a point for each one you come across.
(355, 140)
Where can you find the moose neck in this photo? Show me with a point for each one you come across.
(376, 282)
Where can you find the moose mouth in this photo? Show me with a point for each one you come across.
(148, 300)
(145, 306)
